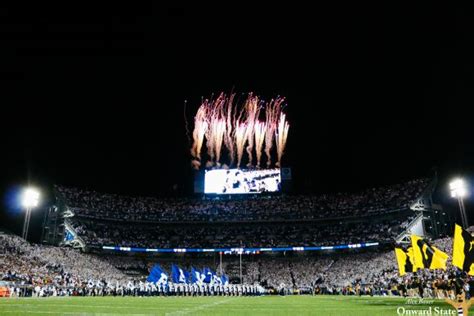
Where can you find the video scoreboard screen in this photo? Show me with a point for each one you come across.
(242, 181)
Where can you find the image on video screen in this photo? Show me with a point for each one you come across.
(238, 181)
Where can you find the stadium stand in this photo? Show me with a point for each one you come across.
(38, 270)
(91, 204)
(99, 233)
(96, 219)
(377, 214)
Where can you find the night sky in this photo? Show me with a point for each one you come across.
(94, 96)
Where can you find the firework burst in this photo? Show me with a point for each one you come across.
(237, 129)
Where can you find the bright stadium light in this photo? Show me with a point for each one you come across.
(30, 199)
(459, 190)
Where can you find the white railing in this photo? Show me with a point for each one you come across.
(410, 227)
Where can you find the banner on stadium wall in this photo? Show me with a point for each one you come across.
(240, 250)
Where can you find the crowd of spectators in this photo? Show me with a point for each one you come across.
(44, 266)
(377, 214)
(372, 201)
(103, 233)
(358, 273)
(46, 270)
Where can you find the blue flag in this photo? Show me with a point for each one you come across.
(197, 277)
(186, 276)
(216, 280)
(157, 275)
(178, 274)
(224, 279)
(209, 275)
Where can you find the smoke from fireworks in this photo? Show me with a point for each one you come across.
(222, 121)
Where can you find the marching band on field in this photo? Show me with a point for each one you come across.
(101, 288)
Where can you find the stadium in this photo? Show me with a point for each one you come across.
(194, 160)
(213, 252)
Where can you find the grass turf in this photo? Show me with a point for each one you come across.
(173, 306)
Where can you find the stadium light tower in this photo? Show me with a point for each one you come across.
(30, 200)
(458, 190)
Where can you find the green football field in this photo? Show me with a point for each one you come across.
(268, 305)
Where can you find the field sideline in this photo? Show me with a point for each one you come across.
(174, 306)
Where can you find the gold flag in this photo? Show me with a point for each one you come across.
(463, 250)
(427, 256)
(404, 260)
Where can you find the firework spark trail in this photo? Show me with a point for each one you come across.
(281, 135)
(200, 128)
(252, 110)
(218, 125)
(186, 125)
(228, 137)
(240, 140)
(219, 131)
(238, 134)
(272, 112)
(210, 113)
(260, 128)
